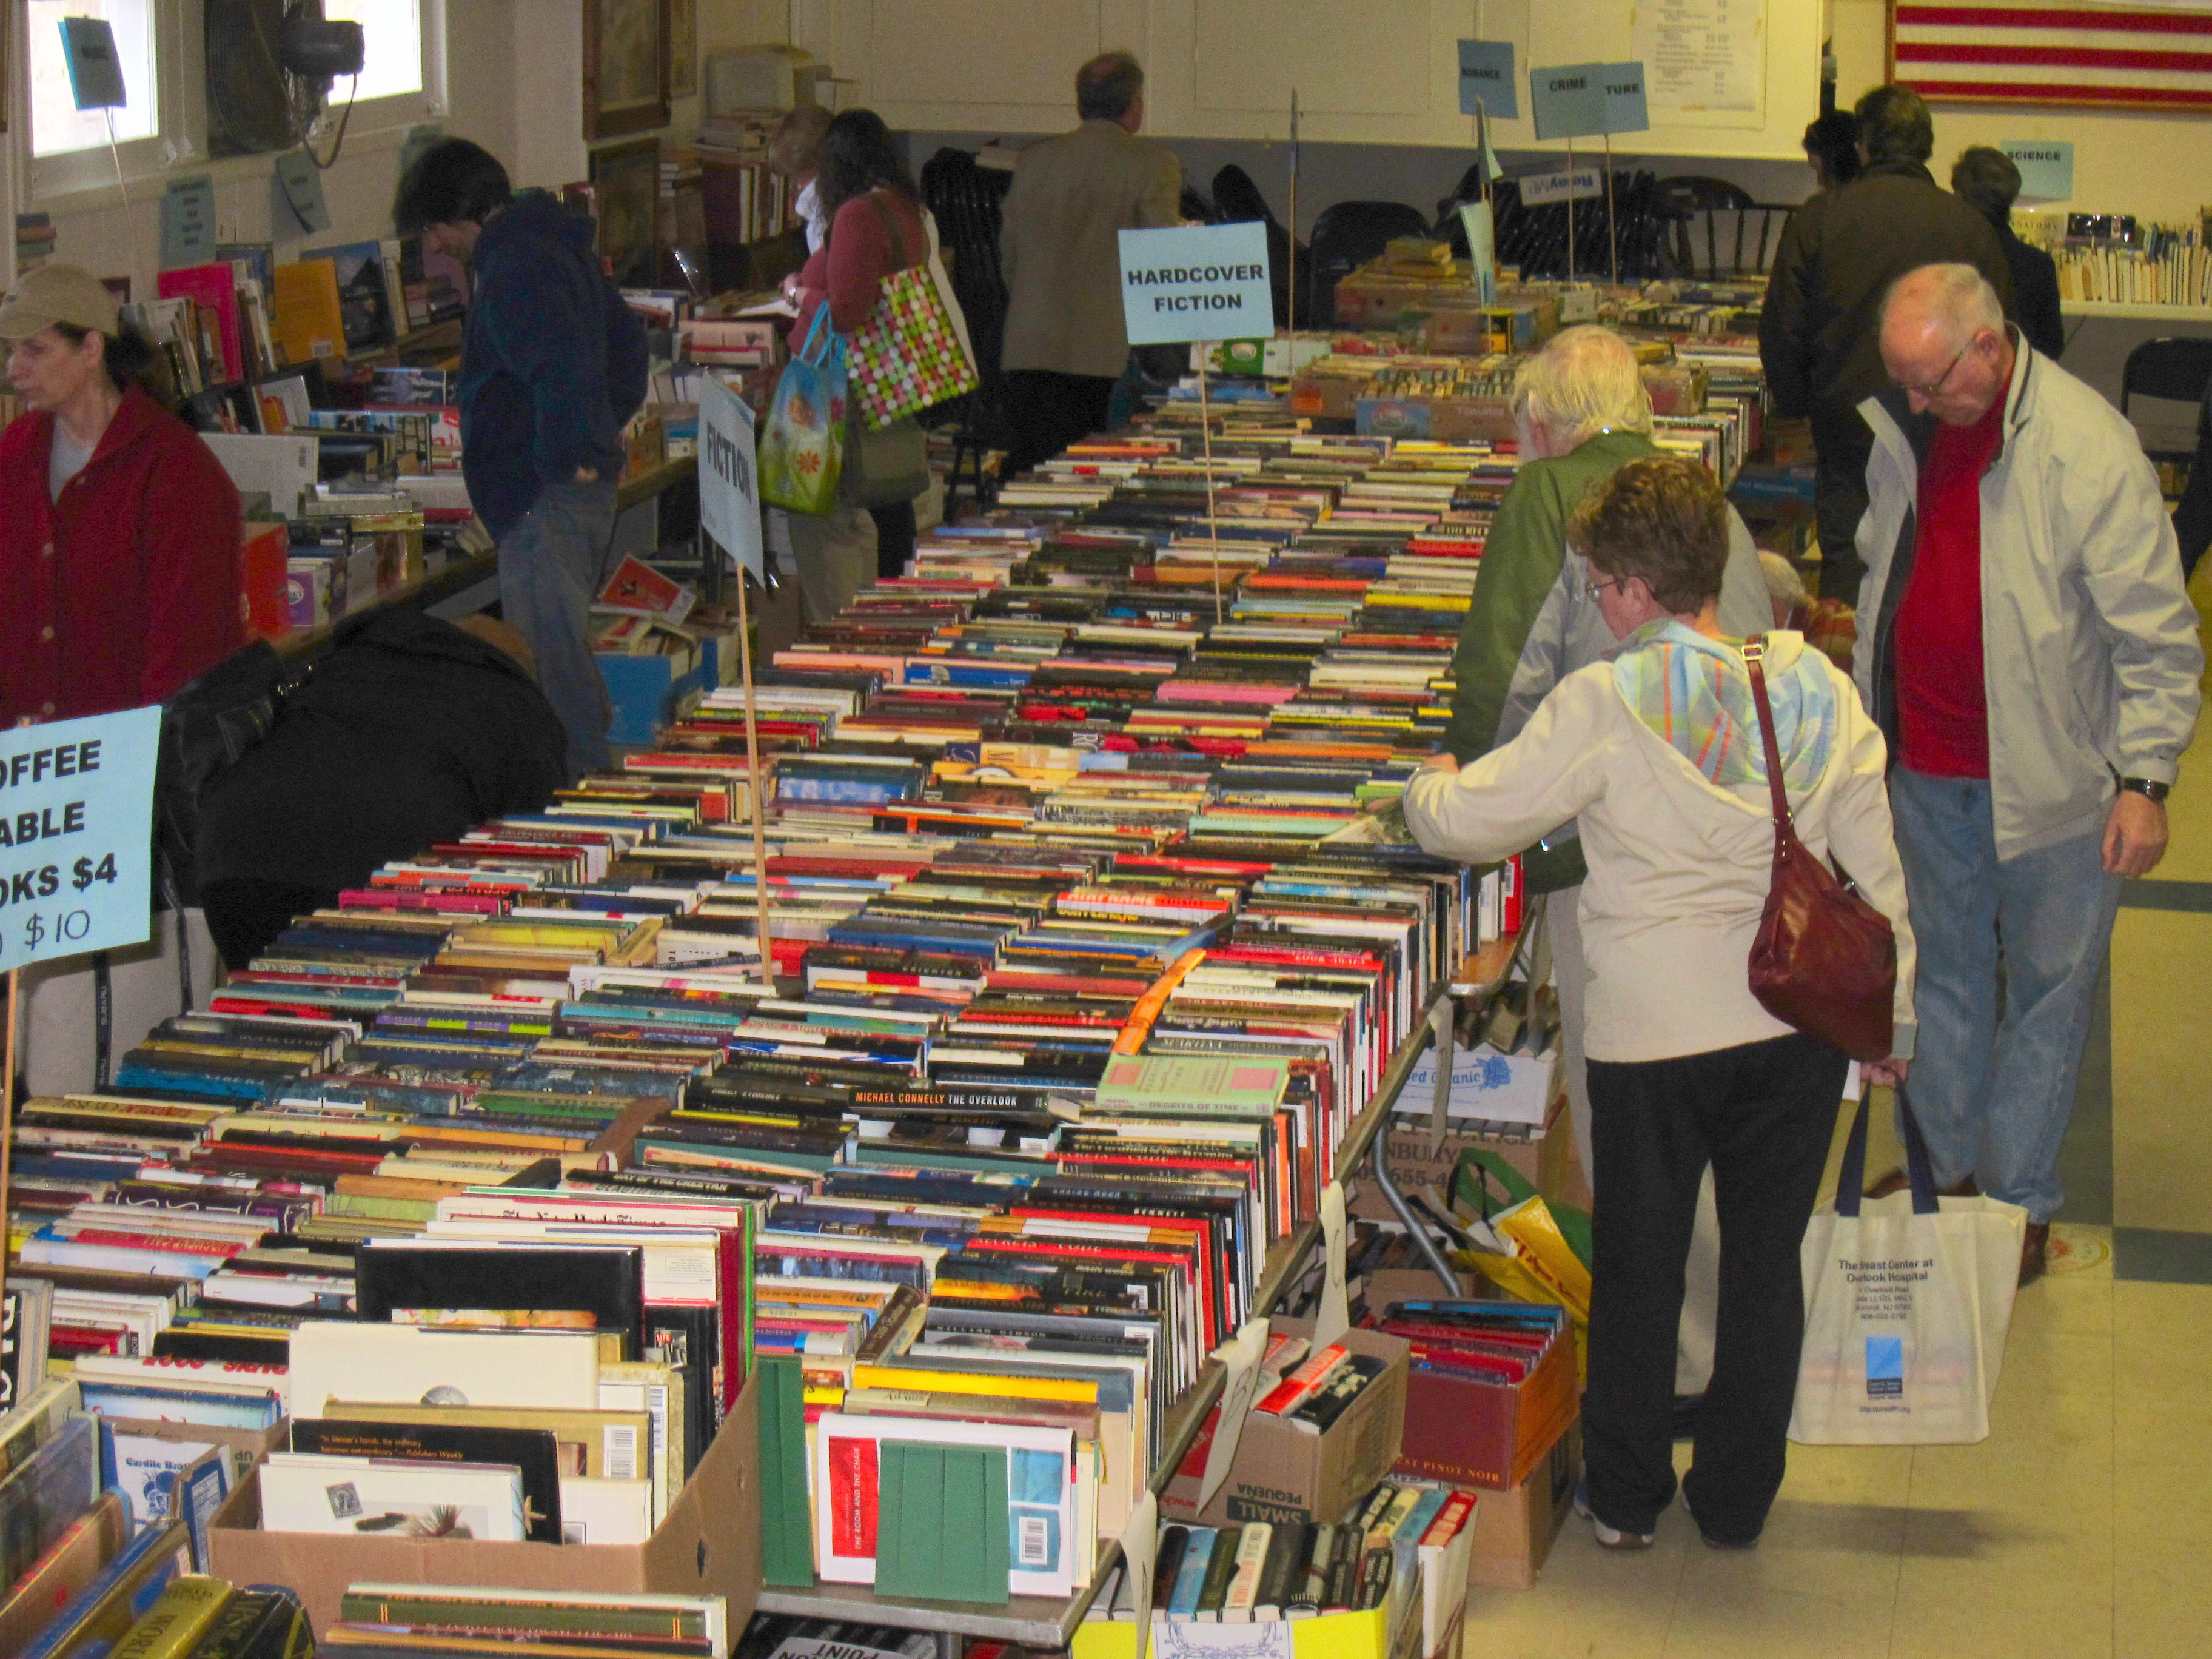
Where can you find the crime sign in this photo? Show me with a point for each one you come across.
(1196, 282)
(77, 813)
(729, 486)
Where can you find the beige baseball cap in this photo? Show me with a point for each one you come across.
(56, 294)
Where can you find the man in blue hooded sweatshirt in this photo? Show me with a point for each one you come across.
(552, 367)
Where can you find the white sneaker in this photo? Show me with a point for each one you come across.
(1611, 1538)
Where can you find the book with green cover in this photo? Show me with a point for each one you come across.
(1201, 1086)
(786, 1530)
(941, 1522)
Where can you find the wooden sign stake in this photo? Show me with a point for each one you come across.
(753, 784)
(8, 1116)
(1570, 210)
(1612, 224)
(1206, 437)
(1291, 274)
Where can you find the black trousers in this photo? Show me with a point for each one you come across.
(895, 538)
(1046, 410)
(1842, 445)
(1762, 1114)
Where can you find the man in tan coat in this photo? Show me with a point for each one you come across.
(1066, 344)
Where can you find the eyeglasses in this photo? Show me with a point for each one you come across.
(1937, 385)
(1592, 589)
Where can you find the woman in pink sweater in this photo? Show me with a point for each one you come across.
(876, 229)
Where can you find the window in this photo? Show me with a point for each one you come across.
(391, 38)
(57, 126)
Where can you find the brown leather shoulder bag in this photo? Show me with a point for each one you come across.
(1825, 960)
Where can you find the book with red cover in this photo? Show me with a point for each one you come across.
(213, 287)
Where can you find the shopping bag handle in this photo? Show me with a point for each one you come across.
(1850, 1177)
(806, 352)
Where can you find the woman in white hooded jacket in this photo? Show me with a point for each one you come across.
(1657, 754)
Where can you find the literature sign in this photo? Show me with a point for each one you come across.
(188, 222)
(1486, 79)
(1196, 282)
(1334, 1317)
(2046, 167)
(296, 187)
(1568, 184)
(77, 804)
(729, 486)
(1622, 86)
(1570, 100)
(1482, 248)
(1240, 1357)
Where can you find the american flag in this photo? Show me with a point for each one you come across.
(2125, 57)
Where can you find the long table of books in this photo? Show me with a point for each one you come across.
(1099, 958)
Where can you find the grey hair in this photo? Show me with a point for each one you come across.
(1585, 382)
(1959, 296)
(1783, 581)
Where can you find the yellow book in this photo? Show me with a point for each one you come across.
(956, 1381)
(174, 1623)
(306, 319)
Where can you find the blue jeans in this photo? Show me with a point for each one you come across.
(548, 572)
(1992, 1095)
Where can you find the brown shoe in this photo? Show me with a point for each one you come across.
(2034, 1251)
(1896, 1181)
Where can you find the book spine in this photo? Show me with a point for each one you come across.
(1341, 1585)
(1220, 1568)
(1312, 1575)
(1254, 1546)
(1190, 1578)
(1285, 1556)
(1302, 1381)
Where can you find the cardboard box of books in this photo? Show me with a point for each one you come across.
(1418, 1159)
(1288, 1470)
(708, 1545)
(1485, 1433)
(1514, 1530)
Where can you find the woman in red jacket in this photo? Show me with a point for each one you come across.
(119, 562)
(876, 229)
(119, 540)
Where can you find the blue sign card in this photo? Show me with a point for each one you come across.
(2046, 166)
(77, 804)
(729, 488)
(1570, 100)
(297, 197)
(188, 222)
(1481, 248)
(1622, 86)
(1486, 78)
(1196, 282)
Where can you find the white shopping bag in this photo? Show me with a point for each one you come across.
(1907, 1301)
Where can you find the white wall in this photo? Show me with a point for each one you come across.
(99, 230)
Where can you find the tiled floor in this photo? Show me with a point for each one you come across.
(2080, 1527)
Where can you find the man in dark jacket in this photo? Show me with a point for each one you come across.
(1987, 181)
(407, 731)
(1820, 335)
(552, 367)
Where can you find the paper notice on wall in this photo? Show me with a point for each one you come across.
(1704, 61)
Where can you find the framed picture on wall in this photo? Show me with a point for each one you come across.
(625, 66)
(683, 48)
(625, 195)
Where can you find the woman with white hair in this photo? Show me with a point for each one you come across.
(1582, 414)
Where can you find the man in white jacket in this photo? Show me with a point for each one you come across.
(2027, 647)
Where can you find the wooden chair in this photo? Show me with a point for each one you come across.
(1689, 201)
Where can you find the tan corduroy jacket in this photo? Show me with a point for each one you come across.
(1057, 249)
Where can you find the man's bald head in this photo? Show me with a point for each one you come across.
(1944, 342)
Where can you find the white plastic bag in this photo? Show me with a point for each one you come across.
(1907, 1301)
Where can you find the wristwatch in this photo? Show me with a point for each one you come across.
(2149, 788)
